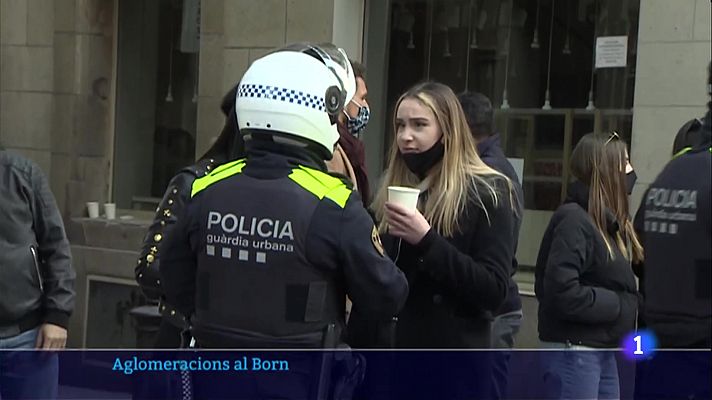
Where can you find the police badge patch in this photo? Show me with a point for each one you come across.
(376, 239)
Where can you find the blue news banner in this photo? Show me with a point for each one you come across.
(249, 374)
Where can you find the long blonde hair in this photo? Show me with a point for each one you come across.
(599, 162)
(461, 173)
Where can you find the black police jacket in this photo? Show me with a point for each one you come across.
(159, 232)
(585, 296)
(174, 199)
(675, 227)
(267, 250)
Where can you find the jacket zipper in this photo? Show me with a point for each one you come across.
(36, 260)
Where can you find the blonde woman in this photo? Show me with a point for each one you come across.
(456, 248)
(584, 280)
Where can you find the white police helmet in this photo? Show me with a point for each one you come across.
(296, 92)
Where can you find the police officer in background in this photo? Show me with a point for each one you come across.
(272, 244)
(172, 332)
(675, 228)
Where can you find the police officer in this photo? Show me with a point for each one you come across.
(272, 244)
(228, 146)
(675, 213)
(676, 231)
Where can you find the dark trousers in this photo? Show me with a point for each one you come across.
(170, 336)
(504, 329)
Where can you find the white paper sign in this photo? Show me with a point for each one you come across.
(611, 51)
(518, 164)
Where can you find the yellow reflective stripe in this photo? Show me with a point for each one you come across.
(339, 195)
(308, 182)
(321, 185)
(217, 175)
(681, 152)
(685, 151)
(227, 165)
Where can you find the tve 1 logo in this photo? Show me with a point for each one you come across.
(639, 345)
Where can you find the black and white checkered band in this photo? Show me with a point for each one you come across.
(282, 94)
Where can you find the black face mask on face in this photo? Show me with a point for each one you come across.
(630, 179)
(421, 163)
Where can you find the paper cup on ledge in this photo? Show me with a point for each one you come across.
(93, 209)
(110, 210)
(404, 196)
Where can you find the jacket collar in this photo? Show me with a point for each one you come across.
(488, 146)
(273, 154)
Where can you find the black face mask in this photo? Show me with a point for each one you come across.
(630, 179)
(421, 163)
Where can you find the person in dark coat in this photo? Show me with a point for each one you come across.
(680, 315)
(478, 111)
(675, 226)
(37, 281)
(281, 282)
(228, 146)
(351, 123)
(455, 248)
(689, 135)
(508, 318)
(584, 281)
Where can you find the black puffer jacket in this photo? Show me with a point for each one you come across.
(585, 297)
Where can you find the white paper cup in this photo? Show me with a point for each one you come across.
(110, 210)
(93, 209)
(404, 196)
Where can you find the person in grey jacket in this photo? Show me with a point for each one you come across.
(36, 275)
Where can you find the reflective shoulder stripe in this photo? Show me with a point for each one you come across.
(220, 173)
(321, 185)
(227, 165)
(681, 152)
(685, 151)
